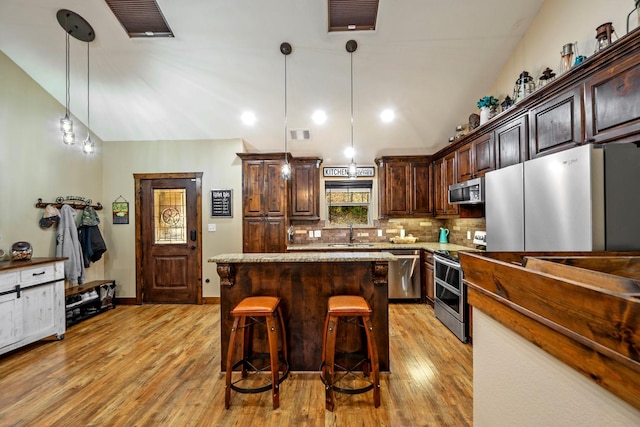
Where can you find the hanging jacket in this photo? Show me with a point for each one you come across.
(68, 246)
(92, 243)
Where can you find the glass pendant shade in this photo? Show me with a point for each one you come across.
(66, 124)
(353, 169)
(285, 172)
(69, 138)
(88, 146)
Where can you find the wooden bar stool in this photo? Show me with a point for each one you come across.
(249, 312)
(348, 308)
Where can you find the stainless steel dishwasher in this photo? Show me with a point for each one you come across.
(404, 275)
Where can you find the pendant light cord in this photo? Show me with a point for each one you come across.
(88, 97)
(352, 152)
(68, 79)
(285, 109)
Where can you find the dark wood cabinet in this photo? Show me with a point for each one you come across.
(556, 124)
(264, 234)
(405, 186)
(427, 277)
(511, 142)
(305, 188)
(444, 174)
(475, 158)
(596, 102)
(264, 192)
(265, 207)
(612, 103)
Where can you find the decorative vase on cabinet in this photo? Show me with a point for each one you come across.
(485, 115)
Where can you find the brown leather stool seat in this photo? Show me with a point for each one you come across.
(258, 310)
(349, 308)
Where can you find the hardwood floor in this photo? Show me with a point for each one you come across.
(157, 365)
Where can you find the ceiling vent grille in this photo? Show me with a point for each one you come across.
(298, 134)
(140, 18)
(352, 15)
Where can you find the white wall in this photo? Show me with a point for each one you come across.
(515, 383)
(35, 163)
(221, 168)
(560, 22)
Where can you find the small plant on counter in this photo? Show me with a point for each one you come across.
(488, 101)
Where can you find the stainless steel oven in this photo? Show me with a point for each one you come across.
(450, 294)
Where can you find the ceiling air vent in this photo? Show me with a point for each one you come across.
(140, 18)
(297, 134)
(352, 15)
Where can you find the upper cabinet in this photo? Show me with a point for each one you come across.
(612, 102)
(265, 207)
(264, 192)
(444, 174)
(597, 101)
(475, 158)
(511, 142)
(405, 186)
(305, 188)
(556, 124)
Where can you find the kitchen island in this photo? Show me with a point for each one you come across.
(304, 282)
(556, 337)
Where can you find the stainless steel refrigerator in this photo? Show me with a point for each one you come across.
(583, 199)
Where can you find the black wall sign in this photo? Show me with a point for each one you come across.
(222, 203)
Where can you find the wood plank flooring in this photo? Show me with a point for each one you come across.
(159, 365)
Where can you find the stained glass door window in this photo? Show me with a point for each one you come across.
(170, 216)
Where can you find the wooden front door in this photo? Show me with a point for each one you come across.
(168, 238)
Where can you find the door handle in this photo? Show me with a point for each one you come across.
(192, 235)
(192, 247)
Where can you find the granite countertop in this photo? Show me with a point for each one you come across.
(378, 246)
(331, 256)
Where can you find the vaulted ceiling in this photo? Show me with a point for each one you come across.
(428, 60)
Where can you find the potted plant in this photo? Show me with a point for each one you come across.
(487, 106)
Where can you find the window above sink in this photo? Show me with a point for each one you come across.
(349, 203)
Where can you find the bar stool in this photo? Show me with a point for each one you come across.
(348, 308)
(258, 310)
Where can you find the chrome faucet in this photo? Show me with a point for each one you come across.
(351, 238)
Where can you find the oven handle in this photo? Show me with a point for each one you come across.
(448, 287)
(445, 261)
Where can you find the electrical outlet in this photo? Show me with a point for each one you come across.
(310, 233)
(379, 233)
(468, 235)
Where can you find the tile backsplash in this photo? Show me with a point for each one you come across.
(425, 229)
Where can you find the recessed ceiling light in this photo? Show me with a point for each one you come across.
(248, 118)
(319, 117)
(387, 115)
(349, 152)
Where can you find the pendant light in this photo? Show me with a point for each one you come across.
(76, 26)
(87, 145)
(351, 47)
(285, 172)
(66, 124)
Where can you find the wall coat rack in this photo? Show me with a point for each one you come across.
(75, 202)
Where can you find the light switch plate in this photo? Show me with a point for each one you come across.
(211, 227)
(317, 233)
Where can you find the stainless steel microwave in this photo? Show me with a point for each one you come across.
(467, 192)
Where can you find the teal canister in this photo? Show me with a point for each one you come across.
(444, 235)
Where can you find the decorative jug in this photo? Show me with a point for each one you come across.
(444, 235)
